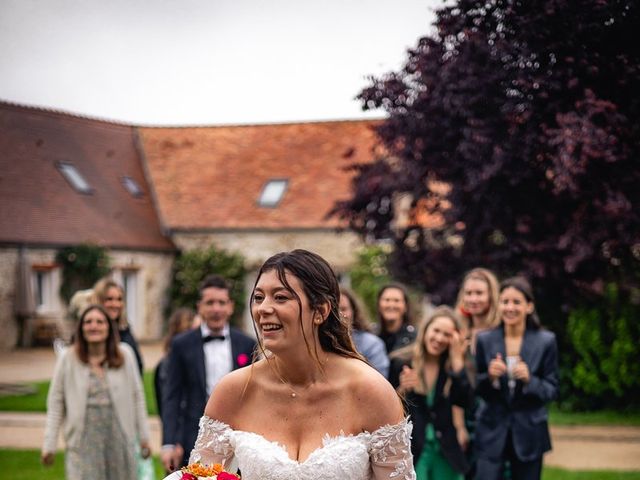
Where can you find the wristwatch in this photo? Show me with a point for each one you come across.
(145, 452)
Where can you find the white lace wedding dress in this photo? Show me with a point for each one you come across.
(382, 454)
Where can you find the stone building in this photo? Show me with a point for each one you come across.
(146, 193)
(64, 181)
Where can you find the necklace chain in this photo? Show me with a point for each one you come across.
(293, 394)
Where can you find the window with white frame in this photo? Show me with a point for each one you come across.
(46, 283)
(71, 173)
(272, 192)
(128, 278)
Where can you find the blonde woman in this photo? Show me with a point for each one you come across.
(478, 302)
(432, 377)
(110, 295)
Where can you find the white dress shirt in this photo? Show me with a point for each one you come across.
(217, 357)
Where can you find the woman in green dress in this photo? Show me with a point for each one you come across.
(431, 375)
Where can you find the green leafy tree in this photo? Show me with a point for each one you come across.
(82, 266)
(191, 267)
(369, 274)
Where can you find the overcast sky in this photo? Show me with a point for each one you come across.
(208, 62)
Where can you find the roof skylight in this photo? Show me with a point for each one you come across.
(272, 192)
(74, 177)
(132, 186)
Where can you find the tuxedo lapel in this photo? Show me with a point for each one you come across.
(199, 362)
(234, 349)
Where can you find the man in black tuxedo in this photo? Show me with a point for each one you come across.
(198, 359)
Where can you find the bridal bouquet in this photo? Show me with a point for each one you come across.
(197, 471)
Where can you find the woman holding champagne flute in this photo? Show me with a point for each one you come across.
(517, 374)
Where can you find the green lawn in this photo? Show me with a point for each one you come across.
(601, 417)
(559, 474)
(32, 402)
(25, 465)
(37, 402)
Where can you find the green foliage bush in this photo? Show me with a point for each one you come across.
(369, 274)
(191, 267)
(82, 266)
(605, 338)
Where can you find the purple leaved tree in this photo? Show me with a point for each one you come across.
(513, 136)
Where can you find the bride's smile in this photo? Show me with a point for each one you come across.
(281, 313)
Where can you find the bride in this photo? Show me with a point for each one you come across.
(311, 407)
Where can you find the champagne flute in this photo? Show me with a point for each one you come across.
(512, 361)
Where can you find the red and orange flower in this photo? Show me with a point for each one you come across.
(195, 471)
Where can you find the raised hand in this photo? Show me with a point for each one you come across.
(457, 349)
(408, 379)
(521, 371)
(497, 367)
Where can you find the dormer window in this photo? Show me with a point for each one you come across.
(272, 192)
(75, 178)
(132, 187)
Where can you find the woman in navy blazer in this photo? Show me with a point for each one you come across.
(517, 373)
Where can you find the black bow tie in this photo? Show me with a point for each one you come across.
(208, 338)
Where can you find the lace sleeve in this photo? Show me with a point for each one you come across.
(214, 443)
(390, 452)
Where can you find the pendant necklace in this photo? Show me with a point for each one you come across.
(293, 393)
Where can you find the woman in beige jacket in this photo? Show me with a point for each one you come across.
(97, 393)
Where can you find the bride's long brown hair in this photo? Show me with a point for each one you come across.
(321, 287)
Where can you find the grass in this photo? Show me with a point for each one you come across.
(31, 402)
(559, 474)
(149, 393)
(25, 465)
(37, 401)
(600, 417)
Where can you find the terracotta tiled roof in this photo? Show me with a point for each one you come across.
(211, 178)
(37, 204)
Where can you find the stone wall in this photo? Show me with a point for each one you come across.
(153, 279)
(339, 249)
(8, 323)
(152, 273)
